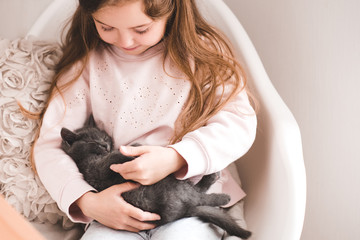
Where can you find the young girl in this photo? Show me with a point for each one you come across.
(151, 72)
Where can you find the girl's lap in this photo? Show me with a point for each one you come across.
(186, 228)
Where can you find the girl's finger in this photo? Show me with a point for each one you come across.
(133, 151)
(142, 216)
(135, 165)
(123, 168)
(131, 172)
(131, 176)
(119, 168)
(136, 226)
(139, 219)
(125, 187)
(129, 228)
(138, 214)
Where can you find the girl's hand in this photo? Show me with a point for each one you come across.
(152, 164)
(111, 210)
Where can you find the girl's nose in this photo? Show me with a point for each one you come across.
(125, 40)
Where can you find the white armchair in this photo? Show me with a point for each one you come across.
(272, 172)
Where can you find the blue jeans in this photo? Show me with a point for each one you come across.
(183, 229)
(186, 228)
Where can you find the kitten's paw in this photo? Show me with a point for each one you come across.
(223, 199)
(211, 178)
(204, 184)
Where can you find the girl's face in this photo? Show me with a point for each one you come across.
(127, 27)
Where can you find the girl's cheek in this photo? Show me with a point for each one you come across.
(108, 38)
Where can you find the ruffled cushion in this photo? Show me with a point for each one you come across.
(26, 71)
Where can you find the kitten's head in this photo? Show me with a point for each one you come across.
(88, 140)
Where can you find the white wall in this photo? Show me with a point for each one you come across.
(311, 50)
(17, 16)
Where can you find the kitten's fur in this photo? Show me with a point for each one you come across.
(92, 150)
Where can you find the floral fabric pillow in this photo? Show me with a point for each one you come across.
(26, 71)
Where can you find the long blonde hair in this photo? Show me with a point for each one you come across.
(200, 51)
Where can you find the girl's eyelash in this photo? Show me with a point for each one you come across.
(107, 29)
(142, 31)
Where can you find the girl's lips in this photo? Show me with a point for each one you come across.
(130, 49)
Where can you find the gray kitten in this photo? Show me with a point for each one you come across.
(92, 150)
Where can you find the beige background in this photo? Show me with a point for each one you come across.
(311, 51)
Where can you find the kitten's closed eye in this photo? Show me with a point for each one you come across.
(104, 145)
(99, 147)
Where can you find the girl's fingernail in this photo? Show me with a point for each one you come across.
(123, 149)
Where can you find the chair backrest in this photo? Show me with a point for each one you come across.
(272, 172)
(51, 22)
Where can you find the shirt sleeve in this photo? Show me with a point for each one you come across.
(56, 170)
(227, 136)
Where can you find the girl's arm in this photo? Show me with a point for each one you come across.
(60, 175)
(57, 171)
(227, 136)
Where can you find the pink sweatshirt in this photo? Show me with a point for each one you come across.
(136, 101)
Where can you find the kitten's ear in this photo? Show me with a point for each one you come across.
(68, 136)
(91, 121)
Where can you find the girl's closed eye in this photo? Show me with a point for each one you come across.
(106, 29)
(142, 31)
